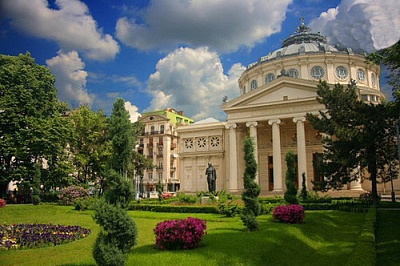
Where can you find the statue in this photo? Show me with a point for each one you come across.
(211, 178)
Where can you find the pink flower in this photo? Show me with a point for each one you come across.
(292, 213)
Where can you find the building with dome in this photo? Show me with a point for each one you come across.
(277, 92)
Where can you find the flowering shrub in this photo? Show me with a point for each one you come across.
(2, 203)
(18, 236)
(180, 234)
(293, 214)
(72, 193)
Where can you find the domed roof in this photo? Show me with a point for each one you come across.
(303, 41)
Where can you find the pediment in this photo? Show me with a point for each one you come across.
(281, 91)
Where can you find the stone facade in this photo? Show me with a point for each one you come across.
(276, 94)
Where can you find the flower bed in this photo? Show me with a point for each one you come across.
(180, 234)
(293, 213)
(21, 236)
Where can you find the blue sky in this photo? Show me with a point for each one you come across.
(177, 53)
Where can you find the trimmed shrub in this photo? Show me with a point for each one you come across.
(86, 203)
(229, 210)
(180, 234)
(293, 214)
(291, 190)
(72, 193)
(2, 203)
(106, 253)
(119, 191)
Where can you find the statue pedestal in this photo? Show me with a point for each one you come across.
(207, 200)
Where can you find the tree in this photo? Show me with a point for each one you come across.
(390, 57)
(90, 147)
(251, 188)
(356, 136)
(32, 128)
(122, 138)
(291, 190)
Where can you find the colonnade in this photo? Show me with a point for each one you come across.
(276, 151)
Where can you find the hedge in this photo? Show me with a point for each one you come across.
(176, 209)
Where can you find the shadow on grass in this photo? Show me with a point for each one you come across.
(326, 238)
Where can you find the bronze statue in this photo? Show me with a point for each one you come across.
(211, 178)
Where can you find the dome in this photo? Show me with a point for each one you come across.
(303, 41)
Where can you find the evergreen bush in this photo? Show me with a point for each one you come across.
(119, 190)
(291, 190)
(251, 189)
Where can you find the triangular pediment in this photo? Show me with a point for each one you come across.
(280, 91)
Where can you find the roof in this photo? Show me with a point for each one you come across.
(303, 41)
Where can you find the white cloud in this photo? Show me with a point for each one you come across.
(70, 78)
(133, 111)
(224, 25)
(71, 26)
(366, 24)
(192, 80)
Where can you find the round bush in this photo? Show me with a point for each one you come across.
(180, 234)
(293, 213)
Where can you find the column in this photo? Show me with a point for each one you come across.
(276, 154)
(253, 134)
(356, 184)
(233, 182)
(301, 149)
(167, 160)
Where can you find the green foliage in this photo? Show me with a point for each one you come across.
(229, 209)
(31, 124)
(84, 204)
(122, 138)
(251, 189)
(291, 190)
(106, 253)
(118, 236)
(90, 145)
(119, 190)
(304, 191)
(360, 136)
(174, 208)
(185, 198)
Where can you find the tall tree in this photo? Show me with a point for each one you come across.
(390, 57)
(90, 147)
(122, 138)
(32, 128)
(356, 136)
(251, 188)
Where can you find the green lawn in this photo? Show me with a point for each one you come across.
(388, 237)
(326, 238)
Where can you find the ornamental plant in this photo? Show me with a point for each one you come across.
(2, 203)
(72, 193)
(292, 214)
(180, 234)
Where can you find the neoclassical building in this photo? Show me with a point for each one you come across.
(277, 92)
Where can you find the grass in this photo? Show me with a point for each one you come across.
(326, 238)
(388, 237)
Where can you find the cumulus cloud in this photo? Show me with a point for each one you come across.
(193, 80)
(224, 25)
(358, 24)
(71, 78)
(71, 26)
(133, 111)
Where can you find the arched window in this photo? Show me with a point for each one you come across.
(254, 84)
(152, 130)
(293, 73)
(162, 129)
(270, 77)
